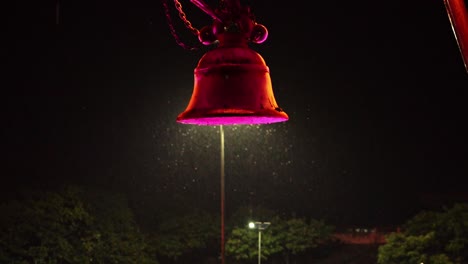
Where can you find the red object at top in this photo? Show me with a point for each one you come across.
(232, 81)
(232, 87)
(458, 15)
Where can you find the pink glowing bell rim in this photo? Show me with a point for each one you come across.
(232, 120)
(231, 117)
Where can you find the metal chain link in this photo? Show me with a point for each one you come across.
(187, 23)
(182, 16)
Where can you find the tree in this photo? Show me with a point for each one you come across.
(47, 228)
(430, 237)
(296, 235)
(117, 237)
(63, 227)
(289, 237)
(242, 244)
(181, 235)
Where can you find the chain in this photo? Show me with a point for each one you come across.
(187, 23)
(182, 16)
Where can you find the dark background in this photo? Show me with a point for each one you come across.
(376, 93)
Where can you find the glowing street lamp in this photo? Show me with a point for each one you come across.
(260, 226)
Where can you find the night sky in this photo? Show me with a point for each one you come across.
(376, 93)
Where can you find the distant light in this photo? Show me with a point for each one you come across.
(259, 225)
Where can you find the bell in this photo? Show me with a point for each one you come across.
(232, 86)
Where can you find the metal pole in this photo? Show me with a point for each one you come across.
(221, 132)
(259, 246)
(57, 12)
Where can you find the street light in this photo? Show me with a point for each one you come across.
(260, 226)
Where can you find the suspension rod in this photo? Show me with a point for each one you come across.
(206, 8)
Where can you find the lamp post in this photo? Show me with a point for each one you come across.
(260, 226)
(222, 194)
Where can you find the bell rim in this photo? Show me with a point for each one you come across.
(231, 117)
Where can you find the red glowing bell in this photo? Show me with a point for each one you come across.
(232, 87)
(232, 81)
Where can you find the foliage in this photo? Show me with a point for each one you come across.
(289, 237)
(242, 244)
(430, 237)
(48, 228)
(180, 235)
(300, 236)
(118, 237)
(296, 235)
(60, 227)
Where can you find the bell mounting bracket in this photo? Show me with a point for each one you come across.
(233, 19)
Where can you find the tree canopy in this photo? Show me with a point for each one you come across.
(180, 235)
(430, 237)
(63, 227)
(288, 237)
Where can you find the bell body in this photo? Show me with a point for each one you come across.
(232, 86)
